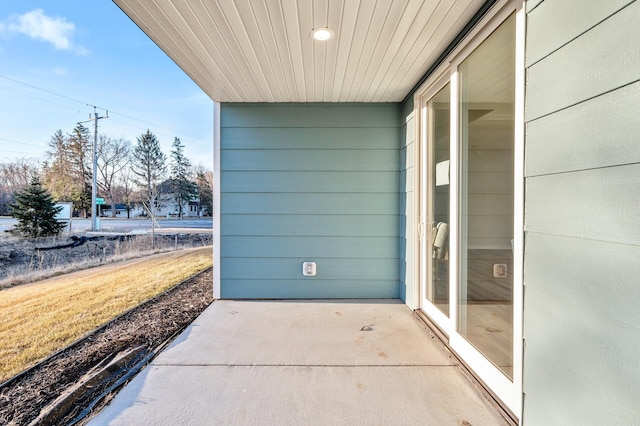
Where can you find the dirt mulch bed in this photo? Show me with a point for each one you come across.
(84, 376)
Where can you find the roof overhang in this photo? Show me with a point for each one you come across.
(262, 51)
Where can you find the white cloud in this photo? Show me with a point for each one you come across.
(35, 24)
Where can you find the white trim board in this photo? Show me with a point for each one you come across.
(216, 200)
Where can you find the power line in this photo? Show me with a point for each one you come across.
(49, 91)
(21, 143)
(16, 152)
(136, 126)
(40, 99)
(193, 135)
(155, 125)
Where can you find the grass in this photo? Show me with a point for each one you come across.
(39, 319)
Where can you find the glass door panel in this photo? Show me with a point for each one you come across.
(487, 114)
(438, 190)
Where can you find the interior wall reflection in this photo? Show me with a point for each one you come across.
(487, 101)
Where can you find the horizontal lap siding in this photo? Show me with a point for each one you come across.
(581, 322)
(308, 225)
(309, 182)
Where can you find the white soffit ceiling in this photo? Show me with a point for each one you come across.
(261, 50)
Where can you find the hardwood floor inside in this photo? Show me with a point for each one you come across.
(489, 306)
(487, 313)
(490, 330)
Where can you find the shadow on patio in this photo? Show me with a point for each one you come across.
(302, 362)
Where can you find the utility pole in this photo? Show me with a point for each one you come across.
(94, 181)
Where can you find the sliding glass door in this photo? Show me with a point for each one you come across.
(436, 200)
(486, 201)
(471, 205)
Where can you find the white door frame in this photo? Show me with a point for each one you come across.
(508, 391)
(438, 83)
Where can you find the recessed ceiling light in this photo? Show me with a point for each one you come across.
(321, 34)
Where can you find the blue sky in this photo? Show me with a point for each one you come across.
(59, 57)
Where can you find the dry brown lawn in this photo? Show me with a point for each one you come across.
(38, 319)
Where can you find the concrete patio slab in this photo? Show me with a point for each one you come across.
(305, 333)
(302, 362)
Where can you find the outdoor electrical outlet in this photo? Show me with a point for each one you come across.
(500, 270)
(309, 269)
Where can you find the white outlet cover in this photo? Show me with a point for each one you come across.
(500, 270)
(309, 269)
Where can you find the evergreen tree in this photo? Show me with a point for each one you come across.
(36, 212)
(68, 173)
(56, 178)
(183, 189)
(81, 164)
(148, 165)
(204, 182)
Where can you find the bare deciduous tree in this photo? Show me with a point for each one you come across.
(113, 158)
(15, 176)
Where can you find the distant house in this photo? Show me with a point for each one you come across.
(121, 211)
(448, 153)
(167, 207)
(167, 204)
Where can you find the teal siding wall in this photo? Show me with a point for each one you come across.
(310, 182)
(582, 269)
(407, 206)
